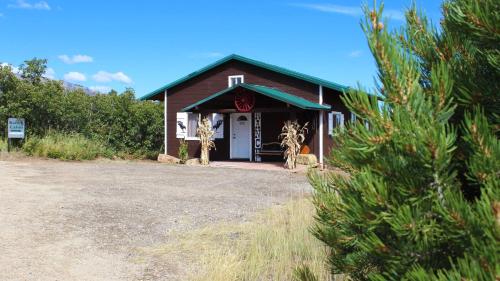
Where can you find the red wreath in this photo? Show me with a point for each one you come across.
(244, 101)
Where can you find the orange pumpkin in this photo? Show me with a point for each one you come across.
(305, 149)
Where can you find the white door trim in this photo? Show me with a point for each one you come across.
(165, 107)
(249, 116)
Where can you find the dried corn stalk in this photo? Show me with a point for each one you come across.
(205, 133)
(292, 136)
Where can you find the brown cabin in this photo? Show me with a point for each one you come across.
(248, 102)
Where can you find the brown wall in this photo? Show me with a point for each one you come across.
(216, 80)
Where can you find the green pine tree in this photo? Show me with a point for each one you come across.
(422, 201)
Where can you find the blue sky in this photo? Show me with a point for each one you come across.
(146, 44)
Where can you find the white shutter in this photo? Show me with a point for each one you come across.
(330, 123)
(218, 125)
(181, 125)
(335, 120)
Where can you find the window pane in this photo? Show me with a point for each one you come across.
(192, 124)
(235, 80)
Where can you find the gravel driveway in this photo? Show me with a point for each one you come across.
(87, 220)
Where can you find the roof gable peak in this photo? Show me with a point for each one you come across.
(274, 68)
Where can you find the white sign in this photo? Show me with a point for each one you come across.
(15, 128)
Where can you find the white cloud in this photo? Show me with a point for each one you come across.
(50, 73)
(15, 69)
(394, 14)
(104, 76)
(355, 53)
(22, 4)
(354, 11)
(207, 55)
(75, 59)
(75, 76)
(101, 89)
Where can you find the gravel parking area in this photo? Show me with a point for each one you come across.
(87, 220)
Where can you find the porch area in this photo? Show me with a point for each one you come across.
(247, 120)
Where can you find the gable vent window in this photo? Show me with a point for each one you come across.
(234, 80)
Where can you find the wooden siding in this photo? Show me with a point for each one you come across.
(216, 80)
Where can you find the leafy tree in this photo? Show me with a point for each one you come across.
(422, 201)
(33, 70)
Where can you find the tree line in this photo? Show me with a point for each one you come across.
(119, 121)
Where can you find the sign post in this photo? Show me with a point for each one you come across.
(15, 130)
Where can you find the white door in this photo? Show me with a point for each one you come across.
(241, 136)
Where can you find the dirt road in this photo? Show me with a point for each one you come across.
(87, 220)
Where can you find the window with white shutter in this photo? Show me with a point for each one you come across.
(187, 124)
(335, 120)
(234, 80)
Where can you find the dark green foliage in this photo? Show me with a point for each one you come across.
(118, 121)
(423, 200)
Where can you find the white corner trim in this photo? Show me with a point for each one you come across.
(321, 117)
(230, 136)
(165, 142)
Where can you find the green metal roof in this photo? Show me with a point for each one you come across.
(271, 67)
(266, 91)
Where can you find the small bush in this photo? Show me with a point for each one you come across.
(183, 151)
(66, 147)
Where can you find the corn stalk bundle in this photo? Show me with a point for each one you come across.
(292, 136)
(205, 133)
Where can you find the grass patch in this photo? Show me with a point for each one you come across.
(66, 147)
(269, 247)
(3, 144)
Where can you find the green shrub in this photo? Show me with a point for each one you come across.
(66, 147)
(183, 151)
